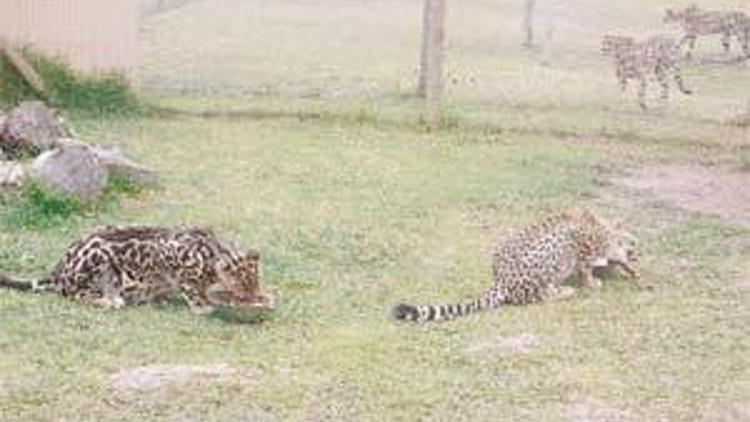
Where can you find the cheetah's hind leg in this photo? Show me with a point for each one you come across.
(104, 290)
(107, 302)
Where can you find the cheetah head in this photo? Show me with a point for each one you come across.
(616, 246)
(242, 282)
(622, 251)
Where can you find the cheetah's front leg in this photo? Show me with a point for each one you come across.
(726, 41)
(195, 298)
(642, 92)
(690, 40)
(587, 276)
(631, 272)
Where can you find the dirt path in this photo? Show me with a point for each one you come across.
(154, 376)
(714, 191)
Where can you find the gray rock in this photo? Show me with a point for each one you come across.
(76, 168)
(71, 168)
(30, 129)
(115, 161)
(12, 174)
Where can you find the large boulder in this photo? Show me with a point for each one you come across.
(76, 168)
(30, 129)
(71, 168)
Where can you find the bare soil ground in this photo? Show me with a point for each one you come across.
(504, 346)
(155, 376)
(743, 278)
(720, 192)
(593, 410)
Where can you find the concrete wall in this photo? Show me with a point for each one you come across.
(90, 34)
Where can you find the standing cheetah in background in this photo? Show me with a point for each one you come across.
(658, 56)
(695, 21)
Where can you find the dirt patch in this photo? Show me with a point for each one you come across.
(730, 412)
(505, 346)
(720, 192)
(333, 400)
(154, 376)
(593, 410)
(743, 278)
(586, 409)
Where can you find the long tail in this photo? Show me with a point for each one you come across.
(427, 313)
(681, 84)
(24, 285)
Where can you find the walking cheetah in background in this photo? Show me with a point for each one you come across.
(695, 22)
(531, 265)
(658, 56)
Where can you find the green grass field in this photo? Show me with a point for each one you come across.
(297, 135)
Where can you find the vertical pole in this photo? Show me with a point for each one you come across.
(433, 58)
(528, 23)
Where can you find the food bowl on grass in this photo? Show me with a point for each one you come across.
(244, 309)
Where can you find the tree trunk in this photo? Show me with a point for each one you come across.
(431, 73)
(528, 23)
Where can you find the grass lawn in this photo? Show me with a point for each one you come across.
(315, 160)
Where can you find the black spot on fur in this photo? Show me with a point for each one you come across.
(405, 312)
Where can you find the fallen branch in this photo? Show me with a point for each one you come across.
(23, 67)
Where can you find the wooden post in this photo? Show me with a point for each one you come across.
(528, 24)
(432, 58)
(23, 67)
(422, 84)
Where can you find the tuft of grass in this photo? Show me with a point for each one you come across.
(121, 185)
(101, 94)
(38, 206)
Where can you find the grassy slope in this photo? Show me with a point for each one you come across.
(360, 210)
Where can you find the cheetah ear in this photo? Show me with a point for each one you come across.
(252, 254)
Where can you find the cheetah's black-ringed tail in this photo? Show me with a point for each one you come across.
(37, 286)
(427, 313)
(15, 284)
(404, 311)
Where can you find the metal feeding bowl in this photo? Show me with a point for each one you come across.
(232, 307)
